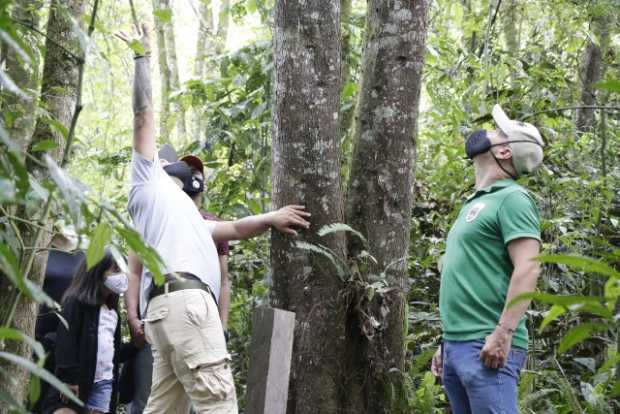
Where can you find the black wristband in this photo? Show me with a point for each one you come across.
(136, 57)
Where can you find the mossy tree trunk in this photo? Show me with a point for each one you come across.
(59, 90)
(380, 200)
(306, 163)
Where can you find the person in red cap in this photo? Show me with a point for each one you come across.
(223, 249)
(191, 363)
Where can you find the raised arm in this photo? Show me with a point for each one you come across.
(144, 122)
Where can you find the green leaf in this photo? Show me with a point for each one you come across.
(562, 300)
(10, 267)
(45, 145)
(137, 47)
(57, 125)
(6, 139)
(164, 15)
(21, 173)
(96, 249)
(149, 256)
(325, 252)
(579, 334)
(610, 85)
(41, 373)
(14, 334)
(8, 398)
(553, 314)
(35, 389)
(7, 190)
(35, 292)
(13, 43)
(336, 227)
(586, 264)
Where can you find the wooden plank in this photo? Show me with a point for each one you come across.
(270, 361)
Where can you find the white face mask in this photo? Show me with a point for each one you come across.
(117, 283)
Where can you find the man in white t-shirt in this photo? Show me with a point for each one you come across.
(182, 325)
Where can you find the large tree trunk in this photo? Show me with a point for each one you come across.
(306, 171)
(380, 199)
(592, 69)
(58, 95)
(18, 111)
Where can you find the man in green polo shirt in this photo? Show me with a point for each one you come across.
(488, 262)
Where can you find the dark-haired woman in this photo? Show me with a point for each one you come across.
(87, 354)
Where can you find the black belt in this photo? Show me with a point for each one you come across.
(180, 281)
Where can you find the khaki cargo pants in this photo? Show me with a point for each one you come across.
(191, 365)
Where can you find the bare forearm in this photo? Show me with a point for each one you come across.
(523, 280)
(224, 299)
(144, 123)
(243, 228)
(132, 296)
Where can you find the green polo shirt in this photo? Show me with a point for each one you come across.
(476, 267)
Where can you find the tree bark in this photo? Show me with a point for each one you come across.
(58, 96)
(164, 76)
(223, 23)
(18, 111)
(203, 45)
(592, 69)
(380, 199)
(178, 114)
(306, 171)
(510, 17)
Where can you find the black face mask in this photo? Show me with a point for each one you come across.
(479, 143)
(192, 184)
(180, 170)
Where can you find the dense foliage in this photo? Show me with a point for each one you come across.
(528, 55)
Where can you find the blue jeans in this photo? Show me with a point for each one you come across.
(473, 388)
(143, 370)
(100, 396)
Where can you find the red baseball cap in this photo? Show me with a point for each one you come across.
(194, 162)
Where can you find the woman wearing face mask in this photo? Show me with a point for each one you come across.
(87, 354)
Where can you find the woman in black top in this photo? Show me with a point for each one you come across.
(87, 354)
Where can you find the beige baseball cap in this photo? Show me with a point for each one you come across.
(524, 139)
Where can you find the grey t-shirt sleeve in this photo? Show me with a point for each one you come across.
(143, 171)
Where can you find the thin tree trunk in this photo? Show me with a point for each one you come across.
(58, 95)
(223, 24)
(178, 114)
(346, 115)
(380, 199)
(306, 171)
(18, 111)
(510, 18)
(205, 35)
(592, 69)
(164, 76)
